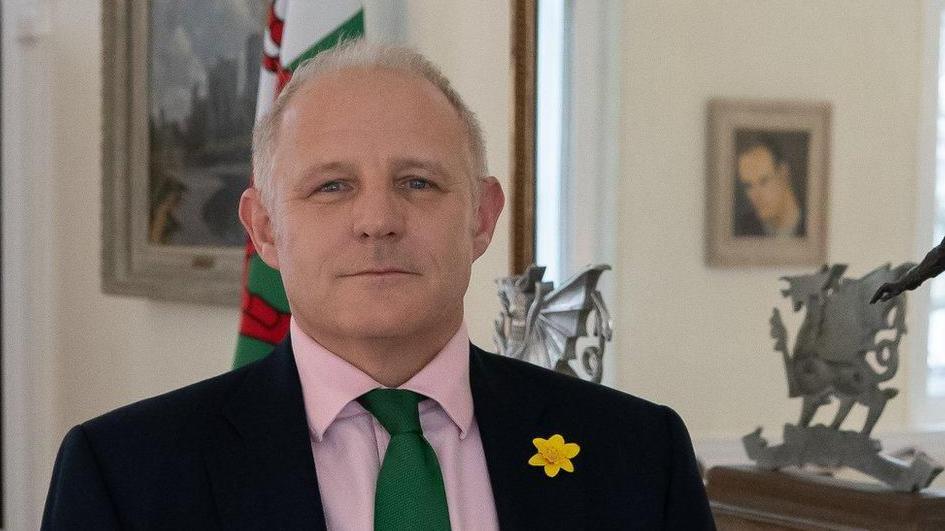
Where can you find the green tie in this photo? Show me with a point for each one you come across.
(410, 492)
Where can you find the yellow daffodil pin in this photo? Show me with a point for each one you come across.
(554, 454)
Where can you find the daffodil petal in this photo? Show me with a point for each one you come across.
(539, 443)
(551, 470)
(567, 465)
(538, 460)
(571, 450)
(556, 440)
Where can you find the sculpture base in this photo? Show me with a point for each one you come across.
(749, 498)
(823, 446)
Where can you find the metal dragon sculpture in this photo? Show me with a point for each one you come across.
(844, 349)
(541, 324)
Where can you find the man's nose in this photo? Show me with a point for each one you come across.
(377, 215)
(753, 191)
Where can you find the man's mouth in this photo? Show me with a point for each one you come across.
(379, 273)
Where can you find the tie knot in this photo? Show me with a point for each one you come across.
(395, 409)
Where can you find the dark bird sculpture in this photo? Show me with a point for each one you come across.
(929, 267)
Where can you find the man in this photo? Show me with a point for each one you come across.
(765, 176)
(372, 199)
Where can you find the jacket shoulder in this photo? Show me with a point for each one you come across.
(170, 410)
(644, 471)
(532, 380)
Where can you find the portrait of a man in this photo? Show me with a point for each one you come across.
(770, 184)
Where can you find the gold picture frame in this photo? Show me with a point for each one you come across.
(767, 180)
(522, 196)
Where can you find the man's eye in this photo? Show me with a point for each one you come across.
(418, 183)
(332, 186)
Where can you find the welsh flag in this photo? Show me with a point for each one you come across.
(296, 31)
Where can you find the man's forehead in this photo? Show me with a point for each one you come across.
(368, 144)
(760, 153)
(756, 158)
(377, 96)
(370, 113)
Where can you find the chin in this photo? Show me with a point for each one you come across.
(385, 317)
(380, 327)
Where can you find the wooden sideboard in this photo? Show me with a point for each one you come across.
(748, 498)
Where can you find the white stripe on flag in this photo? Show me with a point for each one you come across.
(280, 7)
(268, 82)
(309, 21)
(270, 47)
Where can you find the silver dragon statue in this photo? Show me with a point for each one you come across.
(844, 349)
(541, 324)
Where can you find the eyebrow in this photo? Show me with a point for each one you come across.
(396, 165)
(407, 163)
(337, 167)
(311, 172)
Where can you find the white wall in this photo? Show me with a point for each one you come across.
(697, 338)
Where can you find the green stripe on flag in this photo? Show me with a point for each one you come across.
(350, 29)
(267, 283)
(249, 350)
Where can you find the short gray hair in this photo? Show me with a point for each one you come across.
(356, 54)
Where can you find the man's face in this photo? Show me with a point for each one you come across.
(767, 185)
(372, 216)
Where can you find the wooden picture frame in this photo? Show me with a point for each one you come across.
(171, 182)
(766, 183)
(522, 193)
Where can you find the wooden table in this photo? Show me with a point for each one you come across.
(748, 498)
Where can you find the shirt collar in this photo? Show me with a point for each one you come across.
(330, 383)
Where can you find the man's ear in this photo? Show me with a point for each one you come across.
(491, 202)
(258, 224)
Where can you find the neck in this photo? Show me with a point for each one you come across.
(789, 217)
(390, 361)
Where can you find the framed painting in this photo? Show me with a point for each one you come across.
(766, 184)
(179, 96)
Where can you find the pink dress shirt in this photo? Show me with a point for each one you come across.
(348, 444)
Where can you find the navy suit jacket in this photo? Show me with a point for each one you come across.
(233, 452)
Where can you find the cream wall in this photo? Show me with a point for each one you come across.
(697, 338)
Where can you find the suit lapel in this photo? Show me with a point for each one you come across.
(510, 412)
(260, 460)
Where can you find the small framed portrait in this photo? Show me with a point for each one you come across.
(766, 183)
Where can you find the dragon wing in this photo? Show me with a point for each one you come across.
(563, 313)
